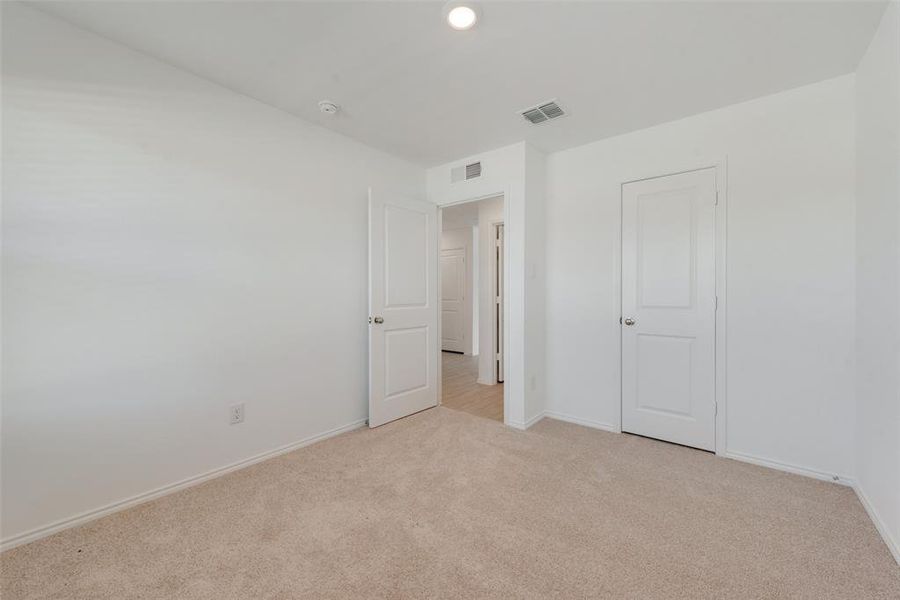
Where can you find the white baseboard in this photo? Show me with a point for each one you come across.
(91, 515)
(534, 420)
(789, 468)
(892, 544)
(85, 517)
(527, 424)
(579, 421)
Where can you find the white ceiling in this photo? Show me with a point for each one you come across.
(410, 85)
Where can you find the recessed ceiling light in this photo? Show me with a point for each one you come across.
(461, 16)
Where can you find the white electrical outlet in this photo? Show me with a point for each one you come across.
(237, 413)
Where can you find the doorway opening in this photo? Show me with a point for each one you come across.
(472, 316)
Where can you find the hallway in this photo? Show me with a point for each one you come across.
(462, 392)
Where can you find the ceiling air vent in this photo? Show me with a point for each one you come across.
(464, 173)
(543, 113)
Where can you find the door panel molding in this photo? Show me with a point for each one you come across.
(403, 307)
(671, 264)
(674, 166)
(454, 283)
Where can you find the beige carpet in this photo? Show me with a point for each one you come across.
(447, 505)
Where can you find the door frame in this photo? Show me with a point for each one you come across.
(504, 194)
(676, 168)
(496, 323)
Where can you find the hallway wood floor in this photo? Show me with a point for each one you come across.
(462, 392)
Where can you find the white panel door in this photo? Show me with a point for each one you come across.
(453, 299)
(668, 308)
(403, 306)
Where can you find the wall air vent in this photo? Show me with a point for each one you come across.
(543, 112)
(465, 172)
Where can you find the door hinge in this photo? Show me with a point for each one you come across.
(717, 302)
(715, 408)
(717, 198)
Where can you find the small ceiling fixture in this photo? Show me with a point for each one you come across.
(328, 107)
(543, 112)
(461, 15)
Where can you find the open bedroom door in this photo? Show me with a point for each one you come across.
(403, 306)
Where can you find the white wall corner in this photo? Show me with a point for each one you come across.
(535, 281)
(877, 279)
(889, 540)
(840, 479)
(525, 425)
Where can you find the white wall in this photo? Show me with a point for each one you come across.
(517, 172)
(878, 277)
(535, 284)
(790, 282)
(162, 259)
(503, 172)
(162, 239)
